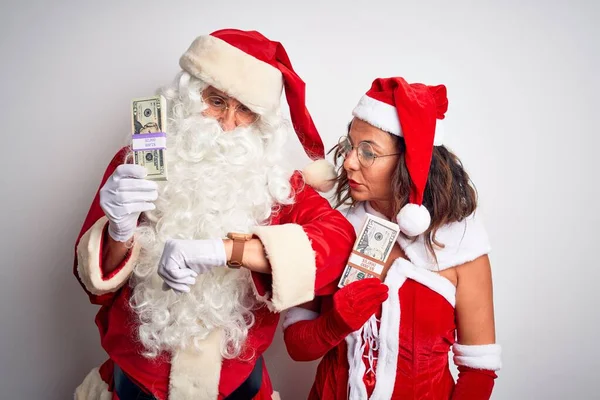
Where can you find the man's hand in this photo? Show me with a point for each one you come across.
(124, 196)
(183, 260)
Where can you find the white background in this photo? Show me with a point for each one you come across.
(523, 85)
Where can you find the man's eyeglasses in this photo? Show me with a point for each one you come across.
(218, 107)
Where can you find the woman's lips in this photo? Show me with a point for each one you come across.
(353, 184)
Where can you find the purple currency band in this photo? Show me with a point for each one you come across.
(144, 136)
(148, 135)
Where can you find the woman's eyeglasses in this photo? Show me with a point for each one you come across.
(364, 151)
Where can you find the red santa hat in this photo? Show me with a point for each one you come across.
(412, 111)
(254, 70)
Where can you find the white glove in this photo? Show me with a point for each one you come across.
(124, 196)
(183, 260)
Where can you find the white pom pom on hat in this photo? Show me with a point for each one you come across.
(413, 219)
(320, 174)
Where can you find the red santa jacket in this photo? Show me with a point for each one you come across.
(402, 353)
(307, 244)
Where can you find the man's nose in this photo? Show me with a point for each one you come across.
(228, 120)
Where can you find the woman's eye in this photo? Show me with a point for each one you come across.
(368, 154)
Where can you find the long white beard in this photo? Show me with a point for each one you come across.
(218, 182)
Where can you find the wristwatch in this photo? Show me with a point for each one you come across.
(237, 253)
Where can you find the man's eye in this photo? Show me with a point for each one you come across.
(244, 110)
(216, 101)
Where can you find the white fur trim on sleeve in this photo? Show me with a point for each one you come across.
(251, 81)
(463, 241)
(89, 254)
(297, 314)
(195, 373)
(486, 356)
(293, 264)
(93, 387)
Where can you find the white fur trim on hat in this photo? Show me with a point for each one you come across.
(485, 356)
(320, 175)
(413, 219)
(385, 117)
(253, 82)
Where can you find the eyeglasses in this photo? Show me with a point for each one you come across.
(218, 107)
(364, 151)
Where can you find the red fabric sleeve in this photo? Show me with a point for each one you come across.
(94, 214)
(474, 384)
(352, 307)
(329, 232)
(311, 339)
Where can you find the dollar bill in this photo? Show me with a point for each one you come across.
(371, 250)
(148, 126)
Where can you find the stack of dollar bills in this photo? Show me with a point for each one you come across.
(149, 139)
(371, 250)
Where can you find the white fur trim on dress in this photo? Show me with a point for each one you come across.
(485, 356)
(297, 314)
(385, 117)
(355, 344)
(93, 388)
(89, 255)
(293, 265)
(195, 374)
(253, 82)
(389, 330)
(430, 279)
(463, 241)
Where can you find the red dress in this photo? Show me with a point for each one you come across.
(303, 229)
(402, 352)
(412, 356)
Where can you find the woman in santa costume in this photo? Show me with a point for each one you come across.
(391, 339)
(191, 273)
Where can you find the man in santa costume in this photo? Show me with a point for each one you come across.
(191, 273)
